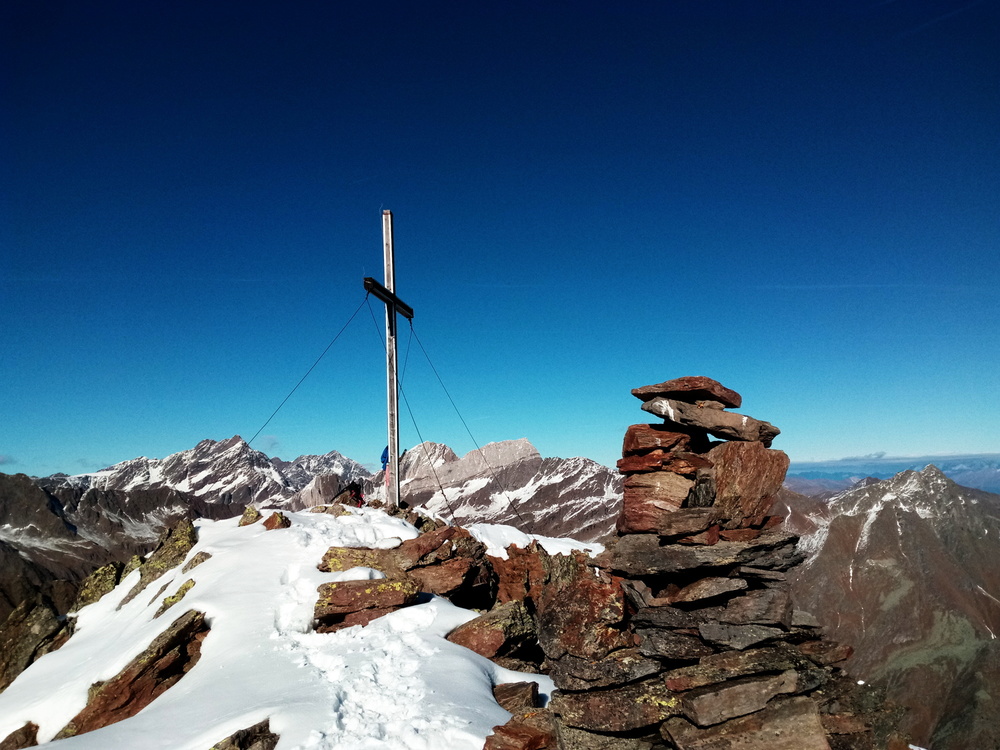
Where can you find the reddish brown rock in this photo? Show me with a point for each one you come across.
(338, 600)
(791, 724)
(685, 464)
(843, 723)
(722, 424)
(583, 616)
(361, 617)
(709, 536)
(446, 578)
(517, 697)
(276, 520)
(719, 703)
(165, 661)
(643, 438)
(534, 730)
(26, 736)
(747, 477)
(739, 535)
(500, 632)
(649, 499)
(621, 709)
(523, 574)
(692, 388)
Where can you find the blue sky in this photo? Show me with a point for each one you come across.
(799, 200)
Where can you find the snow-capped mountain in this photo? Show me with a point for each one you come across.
(914, 556)
(227, 471)
(510, 483)
(827, 478)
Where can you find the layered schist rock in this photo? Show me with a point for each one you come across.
(687, 636)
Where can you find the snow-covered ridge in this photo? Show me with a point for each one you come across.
(395, 683)
(222, 471)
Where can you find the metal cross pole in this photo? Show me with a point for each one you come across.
(393, 305)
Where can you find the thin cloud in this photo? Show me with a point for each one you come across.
(6, 460)
(936, 20)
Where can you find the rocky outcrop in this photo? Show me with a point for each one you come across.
(167, 659)
(26, 736)
(171, 551)
(32, 630)
(446, 561)
(687, 637)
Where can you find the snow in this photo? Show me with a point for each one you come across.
(396, 683)
(498, 537)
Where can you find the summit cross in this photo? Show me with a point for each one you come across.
(393, 305)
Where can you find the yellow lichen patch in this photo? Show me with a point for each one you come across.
(171, 600)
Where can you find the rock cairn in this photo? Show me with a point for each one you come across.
(687, 638)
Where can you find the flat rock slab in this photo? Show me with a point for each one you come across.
(643, 438)
(622, 709)
(722, 424)
(164, 662)
(621, 667)
(791, 724)
(737, 636)
(719, 703)
(691, 388)
(683, 463)
(764, 607)
(706, 588)
(718, 668)
(344, 597)
(669, 644)
(643, 554)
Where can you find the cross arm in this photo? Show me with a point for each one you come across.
(388, 297)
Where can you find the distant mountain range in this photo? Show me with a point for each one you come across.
(59, 528)
(905, 570)
(826, 478)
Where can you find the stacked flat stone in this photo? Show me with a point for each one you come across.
(688, 638)
(676, 465)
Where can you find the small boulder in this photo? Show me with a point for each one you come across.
(277, 520)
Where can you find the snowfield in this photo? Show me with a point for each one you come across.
(396, 683)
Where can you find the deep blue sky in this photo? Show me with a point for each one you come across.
(801, 200)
